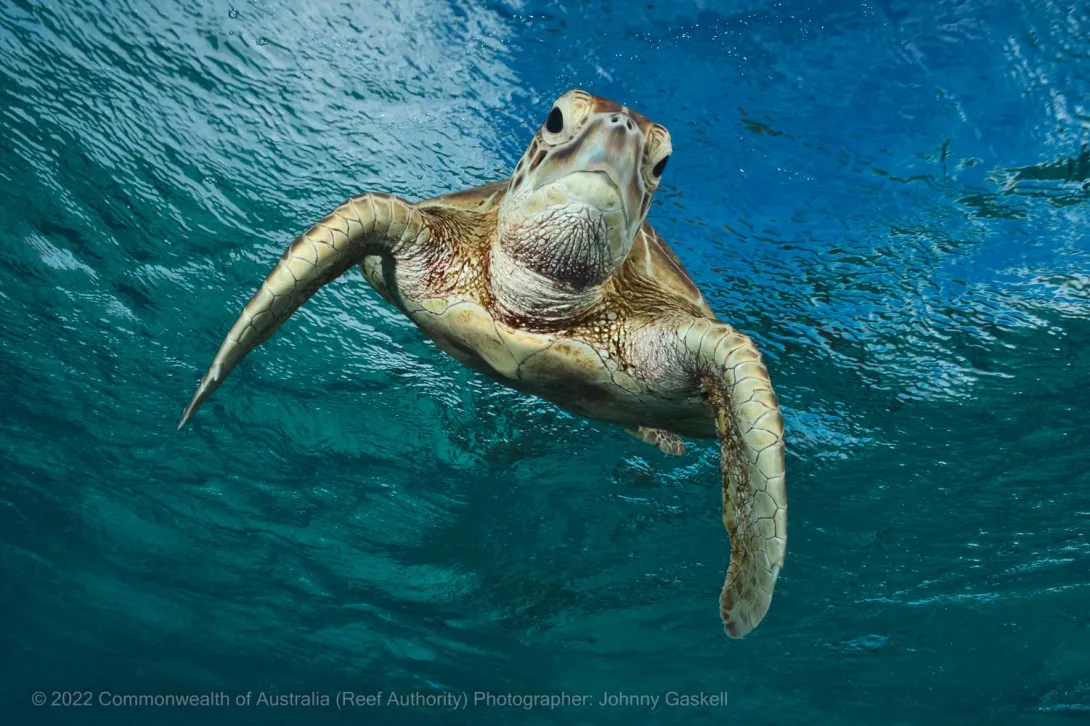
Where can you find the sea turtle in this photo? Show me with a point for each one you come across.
(552, 282)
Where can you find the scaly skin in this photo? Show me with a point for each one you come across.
(666, 442)
(553, 283)
(370, 222)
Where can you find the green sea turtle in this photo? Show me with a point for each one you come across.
(552, 282)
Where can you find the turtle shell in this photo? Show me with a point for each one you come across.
(652, 257)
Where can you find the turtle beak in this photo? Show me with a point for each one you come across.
(611, 144)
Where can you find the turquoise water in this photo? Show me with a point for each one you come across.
(892, 197)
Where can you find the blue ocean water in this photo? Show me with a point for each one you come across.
(891, 196)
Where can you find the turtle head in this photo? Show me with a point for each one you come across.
(581, 190)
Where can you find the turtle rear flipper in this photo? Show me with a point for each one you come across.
(667, 442)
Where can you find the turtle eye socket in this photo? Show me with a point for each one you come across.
(555, 123)
(660, 167)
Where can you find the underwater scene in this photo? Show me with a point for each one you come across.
(890, 197)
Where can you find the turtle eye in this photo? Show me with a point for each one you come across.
(555, 123)
(660, 167)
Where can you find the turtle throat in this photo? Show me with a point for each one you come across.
(557, 244)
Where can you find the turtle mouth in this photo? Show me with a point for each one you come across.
(592, 187)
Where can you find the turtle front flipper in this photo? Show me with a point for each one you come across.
(750, 430)
(364, 225)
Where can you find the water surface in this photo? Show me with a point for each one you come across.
(892, 197)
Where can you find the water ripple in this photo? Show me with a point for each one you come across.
(891, 198)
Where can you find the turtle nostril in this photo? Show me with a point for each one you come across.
(628, 123)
